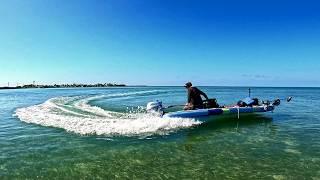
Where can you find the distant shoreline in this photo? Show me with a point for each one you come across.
(128, 86)
(99, 85)
(33, 86)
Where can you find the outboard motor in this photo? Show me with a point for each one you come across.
(155, 107)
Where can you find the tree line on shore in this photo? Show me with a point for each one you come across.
(65, 86)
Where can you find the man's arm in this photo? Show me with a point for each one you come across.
(189, 96)
(203, 94)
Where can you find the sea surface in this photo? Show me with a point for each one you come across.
(105, 133)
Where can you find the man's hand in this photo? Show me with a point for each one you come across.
(188, 106)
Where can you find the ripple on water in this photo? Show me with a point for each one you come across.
(293, 151)
(290, 142)
(279, 177)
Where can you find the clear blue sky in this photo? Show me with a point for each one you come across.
(161, 42)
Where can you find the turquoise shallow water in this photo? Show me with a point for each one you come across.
(103, 133)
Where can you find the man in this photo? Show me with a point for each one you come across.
(194, 97)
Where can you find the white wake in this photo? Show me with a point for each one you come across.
(75, 114)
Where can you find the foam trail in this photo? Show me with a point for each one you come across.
(83, 103)
(80, 117)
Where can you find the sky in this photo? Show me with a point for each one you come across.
(160, 42)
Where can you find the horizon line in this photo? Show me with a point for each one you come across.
(237, 86)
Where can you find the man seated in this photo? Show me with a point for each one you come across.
(194, 97)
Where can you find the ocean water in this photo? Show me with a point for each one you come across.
(104, 133)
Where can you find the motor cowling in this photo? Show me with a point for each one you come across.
(155, 107)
